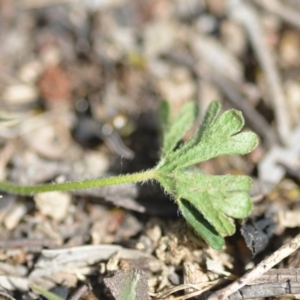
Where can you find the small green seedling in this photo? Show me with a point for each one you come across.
(208, 203)
(128, 285)
(46, 294)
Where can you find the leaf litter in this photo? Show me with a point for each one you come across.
(112, 57)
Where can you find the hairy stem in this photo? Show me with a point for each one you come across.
(76, 185)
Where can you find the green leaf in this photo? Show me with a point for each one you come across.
(200, 225)
(164, 114)
(208, 203)
(237, 205)
(217, 197)
(220, 138)
(242, 143)
(210, 117)
(179, 127)
(128, 285)
(48, 295)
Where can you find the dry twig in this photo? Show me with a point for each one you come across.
(259, 270)
(287, 14)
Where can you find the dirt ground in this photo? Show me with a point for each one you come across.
(80, 86)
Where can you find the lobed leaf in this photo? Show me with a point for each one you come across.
(209, 118)
(236, 205)
(200, 225)
(179, 127)
(164, 114)
(214, 183)
(222, 224)
(208, 203)
(220, 139)
(229, 123)
(218, 198)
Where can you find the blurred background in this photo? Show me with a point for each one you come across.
(80, 85)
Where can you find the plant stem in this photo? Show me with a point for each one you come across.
(76, 185)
